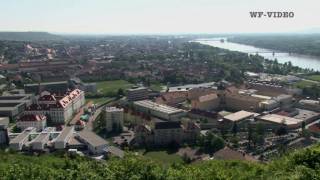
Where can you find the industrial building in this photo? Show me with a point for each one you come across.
(206, 103)
(275, 120)
(39, 143)
(53, 87)
(18, 142)
(95, 144)
(159, 110)
(64, 137)
(13, 105)
(4, 122)
(312, 105)
(240, 116)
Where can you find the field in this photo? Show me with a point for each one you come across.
(164, 157)
(98, 101)
(111, 87)
(157, 87)
(303, 84)
(314, 77)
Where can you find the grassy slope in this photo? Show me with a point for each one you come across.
(303, 164)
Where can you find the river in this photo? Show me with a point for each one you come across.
(302, 61)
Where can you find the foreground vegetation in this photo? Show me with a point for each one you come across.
(303, 164)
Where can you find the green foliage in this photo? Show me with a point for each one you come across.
(210, 143)
(303, 164)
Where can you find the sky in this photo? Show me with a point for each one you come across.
(155, 16)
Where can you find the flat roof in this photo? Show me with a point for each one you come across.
(279, 119)
(22, 135)
(115, 151)
(47, 83)
(158, 107)
(12, 97)
(66, 130)
(41, 137)
(238, 116)
(191, 86)
(92, 138)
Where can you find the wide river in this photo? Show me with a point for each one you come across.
(302, 61)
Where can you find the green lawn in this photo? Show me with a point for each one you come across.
(157, 87)
(107, 87)
(303, 83)
(100, 100)
(314, 77)
(164, 157)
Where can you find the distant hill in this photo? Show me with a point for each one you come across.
(29, 36)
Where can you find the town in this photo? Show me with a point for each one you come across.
(125, 99)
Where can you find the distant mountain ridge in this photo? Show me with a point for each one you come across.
(29, 36)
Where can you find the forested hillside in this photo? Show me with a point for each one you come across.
(300, 44)
(303, 164)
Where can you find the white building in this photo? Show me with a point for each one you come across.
(159, 110)
(62, 140)
(59, 109)
(114, 119)
(40, 141)
(18, 142)
(95, 144)
(32, 120)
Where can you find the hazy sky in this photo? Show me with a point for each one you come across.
(155, 16)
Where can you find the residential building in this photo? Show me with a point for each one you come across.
(159, 110)
(137, 94)
(114, 119)
(32, 120)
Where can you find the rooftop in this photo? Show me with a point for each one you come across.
(208, 97)
(279, 119)
(113, 109)
(167, 125)
(238, 116)
(64, 133)
(22, 135)
(92, 138)
(158, 107)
